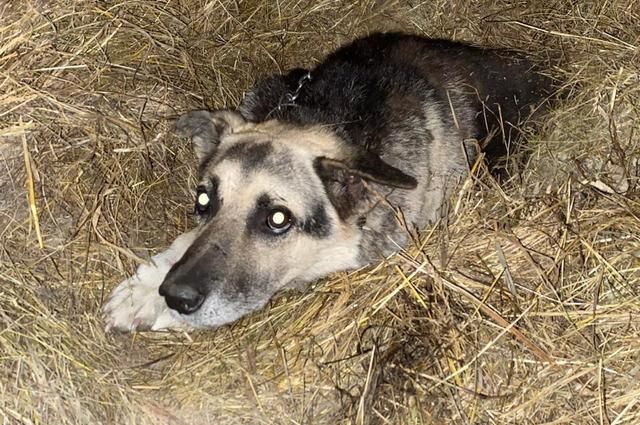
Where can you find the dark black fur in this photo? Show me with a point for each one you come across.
(317, 224)
(252, 156)
(361, 87)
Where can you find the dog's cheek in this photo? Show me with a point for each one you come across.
(339, 251)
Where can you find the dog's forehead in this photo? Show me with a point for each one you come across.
(284, 179)
(298, 141)
(270, 158)
(241, 191)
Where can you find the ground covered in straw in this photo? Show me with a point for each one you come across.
(523, 307)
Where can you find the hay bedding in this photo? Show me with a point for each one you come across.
(523, 307)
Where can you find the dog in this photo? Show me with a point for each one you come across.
(325, 170)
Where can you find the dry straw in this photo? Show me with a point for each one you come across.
(523, 307)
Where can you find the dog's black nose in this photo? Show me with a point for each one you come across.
(182, 298)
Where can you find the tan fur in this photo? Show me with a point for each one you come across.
(309, 141)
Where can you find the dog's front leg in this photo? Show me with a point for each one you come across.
(136, 303)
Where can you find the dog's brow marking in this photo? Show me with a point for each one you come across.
(251, 155)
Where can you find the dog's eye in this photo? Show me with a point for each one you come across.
(203, 202)
(279, 220)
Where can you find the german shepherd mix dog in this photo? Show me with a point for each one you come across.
(324, 170)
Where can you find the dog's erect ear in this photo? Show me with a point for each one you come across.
(206, 128)
(344, 180)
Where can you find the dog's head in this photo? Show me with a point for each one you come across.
(278, 206)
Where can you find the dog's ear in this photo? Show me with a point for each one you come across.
(206, 128)
(344, 180)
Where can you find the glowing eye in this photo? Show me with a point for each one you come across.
(203, 202)
(279, 220)
(203, 199)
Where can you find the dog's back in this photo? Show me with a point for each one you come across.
(487, 91)
(502, 85)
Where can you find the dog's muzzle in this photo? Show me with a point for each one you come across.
(183, 298)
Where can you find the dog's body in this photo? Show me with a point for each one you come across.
(323, 171)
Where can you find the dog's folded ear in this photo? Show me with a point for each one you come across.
(344, 180)
(206, 128)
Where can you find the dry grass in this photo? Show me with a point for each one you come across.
(523, 308)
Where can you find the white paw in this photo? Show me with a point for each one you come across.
(136, 304)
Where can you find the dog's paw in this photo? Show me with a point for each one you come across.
(136, 305)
